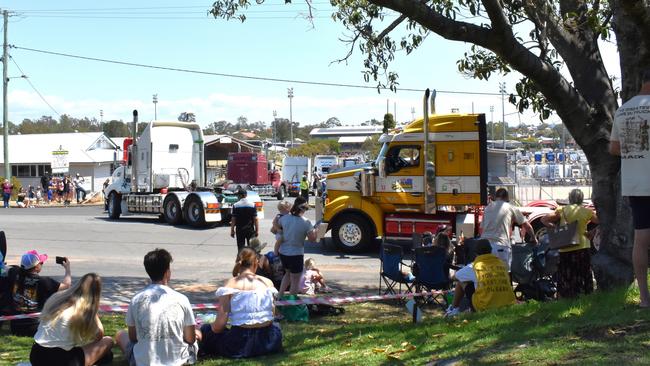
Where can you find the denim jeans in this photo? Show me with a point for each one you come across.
(82, 191)
(5, 198)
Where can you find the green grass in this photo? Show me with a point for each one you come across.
(602, 329)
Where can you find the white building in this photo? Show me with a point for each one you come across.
(90, 154)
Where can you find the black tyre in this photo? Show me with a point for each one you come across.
(539, 229)
(194, 213)
(282, 192)
(114, 206)
(172, 211)
(353, 233)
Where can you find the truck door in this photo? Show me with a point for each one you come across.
(402, 189)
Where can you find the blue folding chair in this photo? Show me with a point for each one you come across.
(391, 274)
(431, 270)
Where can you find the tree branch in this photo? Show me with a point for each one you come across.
(390, 28)
(438, 23)
(499, 21)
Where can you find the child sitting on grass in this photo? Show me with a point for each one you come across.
(312, 279)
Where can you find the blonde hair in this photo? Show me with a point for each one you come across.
(309, 263)
(84, 299)
(284, 205)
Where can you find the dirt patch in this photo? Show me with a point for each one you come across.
(341, 268)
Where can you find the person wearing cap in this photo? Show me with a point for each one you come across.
(263, 265)
(244, 223)
(78, 187)
(29, 290)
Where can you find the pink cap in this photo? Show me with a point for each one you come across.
(30, 259)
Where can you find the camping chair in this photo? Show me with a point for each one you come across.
(390, 272)
(431, 271)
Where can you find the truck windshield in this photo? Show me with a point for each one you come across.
(382, 153)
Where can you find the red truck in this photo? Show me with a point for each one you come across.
(252, 169)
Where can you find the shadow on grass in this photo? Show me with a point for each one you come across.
(600, 329)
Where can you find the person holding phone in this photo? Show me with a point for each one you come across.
(29, 291)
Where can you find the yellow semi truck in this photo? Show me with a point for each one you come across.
(425, 175)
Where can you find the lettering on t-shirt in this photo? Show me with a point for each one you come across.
(633, 131)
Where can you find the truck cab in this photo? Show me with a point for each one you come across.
(423, 177)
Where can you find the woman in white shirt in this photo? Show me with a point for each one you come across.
(244, 326)
(70, 331)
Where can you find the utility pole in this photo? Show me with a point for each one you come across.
(502, 90)
(5, 112)
(290, 95)
(395, 112)
(492, 120)
(412, 113)
(101, 116)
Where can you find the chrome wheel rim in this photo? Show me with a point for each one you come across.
(350, 234)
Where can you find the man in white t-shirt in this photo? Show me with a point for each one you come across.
(160, 320)
(498, 218)
(631, 142)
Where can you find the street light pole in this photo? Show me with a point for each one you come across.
(274, 125)
(290, 95)
(155, 106)
(492, 120)
(502, 90)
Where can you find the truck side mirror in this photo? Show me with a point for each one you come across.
(382, 167)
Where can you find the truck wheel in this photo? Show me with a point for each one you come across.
(352, 233)
(194, 213)
(173, 213)
(282, 192)
(539, 229)
(114, 206)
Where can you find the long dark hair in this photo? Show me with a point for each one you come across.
(298, 206)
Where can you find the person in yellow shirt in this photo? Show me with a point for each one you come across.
(574, 270)
(484, 282)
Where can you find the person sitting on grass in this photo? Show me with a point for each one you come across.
(485, 283)
(70, 331)
(246, 303)
(28, 291)
(312, 280)
(160, 320)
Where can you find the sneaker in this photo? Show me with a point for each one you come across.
(452, 311)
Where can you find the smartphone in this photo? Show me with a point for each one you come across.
(60, 260)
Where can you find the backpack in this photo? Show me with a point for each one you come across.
(277, 271)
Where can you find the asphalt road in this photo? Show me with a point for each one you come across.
(203, 258)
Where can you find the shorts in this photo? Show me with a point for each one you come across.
(640, 211)
(45, 355)
(293, 263)
(503, 252)
(238, 342)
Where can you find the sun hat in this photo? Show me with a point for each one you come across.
(30, 259)
(256, 245)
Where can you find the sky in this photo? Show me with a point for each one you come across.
(274, 42)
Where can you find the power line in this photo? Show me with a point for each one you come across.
(34, 87)
(236, 76)
(160, 7)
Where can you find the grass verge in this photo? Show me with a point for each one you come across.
(601, 329)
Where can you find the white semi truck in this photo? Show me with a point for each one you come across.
(163, 175)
